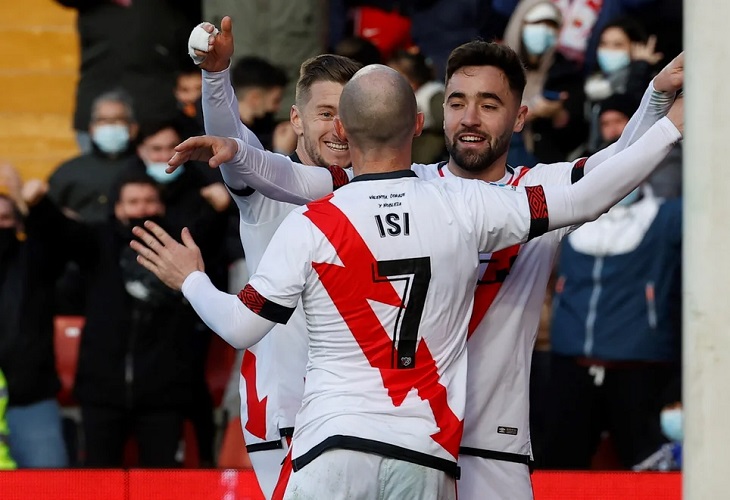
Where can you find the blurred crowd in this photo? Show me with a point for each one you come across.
(608, 355)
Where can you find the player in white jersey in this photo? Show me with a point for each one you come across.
(496, 442)
(272, 372)
(386, 268)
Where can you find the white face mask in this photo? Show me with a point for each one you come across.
(111, 139)
(156, 170)
(538, 38)
(611, 60)
(671, 423)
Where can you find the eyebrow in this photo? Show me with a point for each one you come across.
(480, 95)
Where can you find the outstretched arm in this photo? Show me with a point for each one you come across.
(655, 104)
(273, 175)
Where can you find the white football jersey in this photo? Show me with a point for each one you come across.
(386, 268)
(503, 327)
(272, 371)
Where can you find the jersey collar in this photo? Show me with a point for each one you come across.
(385, 175)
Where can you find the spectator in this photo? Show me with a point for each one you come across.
(259, 89)
(626, 58)
(193, 193)
(554, 126)
(31, 259)
(669, 455)
(358, 49)
(137, 354)
(615, 335)
(429, 147)
(135, 45)
(188, 89)
(82, 186)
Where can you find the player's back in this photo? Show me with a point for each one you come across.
(387, 299)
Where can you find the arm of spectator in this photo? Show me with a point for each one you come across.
(273, 175)
(217, 196)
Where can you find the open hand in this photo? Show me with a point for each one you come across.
(209, 148)
(641, 51)
(164, 257)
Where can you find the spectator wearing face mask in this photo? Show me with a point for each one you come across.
(671, 419)
(615, 335)
(553, 94)
(626, 58)
(81, 186)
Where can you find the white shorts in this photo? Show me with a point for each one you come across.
(267, 466)
(345, 474)
(493, 479)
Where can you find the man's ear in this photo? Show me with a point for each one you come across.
(520, 120)
(339, 129)
(420, 118)
(296, 120)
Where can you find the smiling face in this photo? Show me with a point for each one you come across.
(480, 114)
(317, 143)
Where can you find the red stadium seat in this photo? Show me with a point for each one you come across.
(66, 340)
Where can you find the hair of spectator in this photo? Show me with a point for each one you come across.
(323, 68)
(481, 53)
(414, 66)
(360, 49)
(255, 72)
(633, 29)
(132, 176)
(148, 129)
(378, 108)
(118, 95)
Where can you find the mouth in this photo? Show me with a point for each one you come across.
(338, 147)
(471, 138)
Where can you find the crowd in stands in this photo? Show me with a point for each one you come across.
(607, 364)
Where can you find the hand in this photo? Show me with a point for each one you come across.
(220, 47)
(214, 150)
(11, 184)
(164, 257)
(676, 113)
(646, 51)
(33, 191)
(217, 196)
(671, 78)
(543, 108)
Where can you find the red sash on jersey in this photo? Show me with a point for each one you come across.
(350, 286)
(499, 266)
(256, 418)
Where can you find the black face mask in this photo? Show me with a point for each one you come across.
(8, 239)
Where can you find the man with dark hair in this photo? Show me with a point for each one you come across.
(478, 122)
(268, 426)
(259, 89)
(386, 269)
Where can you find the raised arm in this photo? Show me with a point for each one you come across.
(655, 104)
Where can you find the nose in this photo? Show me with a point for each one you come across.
(470, 118)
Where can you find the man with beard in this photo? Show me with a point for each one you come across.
(483, 90)
(272, 371)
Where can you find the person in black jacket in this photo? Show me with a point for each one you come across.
(30, 261)
(137, 354)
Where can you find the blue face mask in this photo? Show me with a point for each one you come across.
(629, 198)
(610, 60)
(671, 422)
(156, 170)
(111, 139)
(538, 38)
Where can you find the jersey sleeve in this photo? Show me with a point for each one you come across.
(225, 314)
(279, 178)
(611, 180)
(279, 280)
